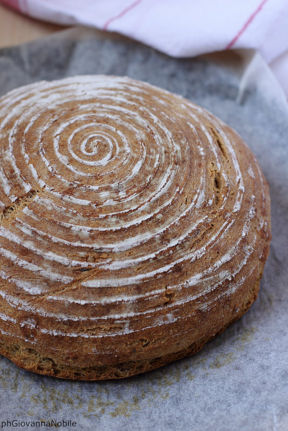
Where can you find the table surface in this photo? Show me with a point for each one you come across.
(16, 28)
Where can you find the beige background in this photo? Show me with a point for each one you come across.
(16, 28)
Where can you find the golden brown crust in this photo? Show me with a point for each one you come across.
(32, 360)
(134, 227)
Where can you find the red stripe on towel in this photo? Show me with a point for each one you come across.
(12, 3)
(121, 14)
(246, 25)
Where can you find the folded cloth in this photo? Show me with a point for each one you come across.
(182, 29)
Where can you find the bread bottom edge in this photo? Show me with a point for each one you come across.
(47, 367)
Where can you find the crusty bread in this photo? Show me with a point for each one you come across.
(134, 227)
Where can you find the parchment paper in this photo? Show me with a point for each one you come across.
(239, 381)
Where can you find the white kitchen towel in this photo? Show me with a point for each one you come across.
(181, 28)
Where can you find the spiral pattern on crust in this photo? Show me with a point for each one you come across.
(124, 208)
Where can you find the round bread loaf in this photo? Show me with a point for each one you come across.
(134, 227)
